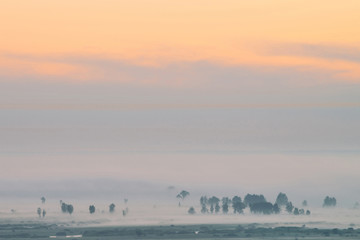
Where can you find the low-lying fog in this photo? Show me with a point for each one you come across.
(157, 214)
(154, 203)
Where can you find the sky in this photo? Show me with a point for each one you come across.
(136, 90)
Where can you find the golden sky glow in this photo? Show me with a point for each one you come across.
(154, 32)
(194, 91)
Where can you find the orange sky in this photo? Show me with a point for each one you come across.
(156, 32)
(87, 83)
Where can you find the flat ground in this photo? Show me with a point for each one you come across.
(206, 231)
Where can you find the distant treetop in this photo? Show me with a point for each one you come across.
(281, 200)
(253, 198)
(183, 194)
(329, 202)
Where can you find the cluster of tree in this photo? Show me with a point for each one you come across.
(238, 205)
(111, 208)
(266, 208)
(66, 208)
(329, 202)
(212, 205)
(259, 205)
(212, 202)
(41, 213)
(256, 203)
(253, 198)
(296, 211)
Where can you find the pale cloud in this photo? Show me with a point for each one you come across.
(263, 65)
(327, 51)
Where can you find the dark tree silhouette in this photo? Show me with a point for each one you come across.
(304, 203)
(182, 195)
(296, 211)
(91, 209)
(43, 213)
(301, 211)
(112, 208)
(191, 211)
(281, 200)
(237, 204)
(217, 208)
(253, 198)
(329, 202)
(262, 207)
(43, 200)
(70, 209)
(289, 207)
(39, 212)
(225, 204)
(214, 204)
(308, 212)
(276, 209)
(64, 207)
(203, 203)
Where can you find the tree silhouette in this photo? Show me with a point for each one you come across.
(203, 203)
(191, 211)
(253, 198)
(39, 212)
(70, 209)
(304, 203)
(64, 207)
(301, 211)
(238, 205)
(276, 209)
(217, 207)
(43, 200)
(281, 199)
(289, 207)
(225, 204)
(329, 202)
(296, 211)
(214, 204)
(91, 209)
(43, 213)
(112, 208)
(262, 207)
(182, 195)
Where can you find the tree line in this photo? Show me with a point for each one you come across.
(69, 208)
(256, 203)
(213, 205)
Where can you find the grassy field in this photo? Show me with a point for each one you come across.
(206, 231)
